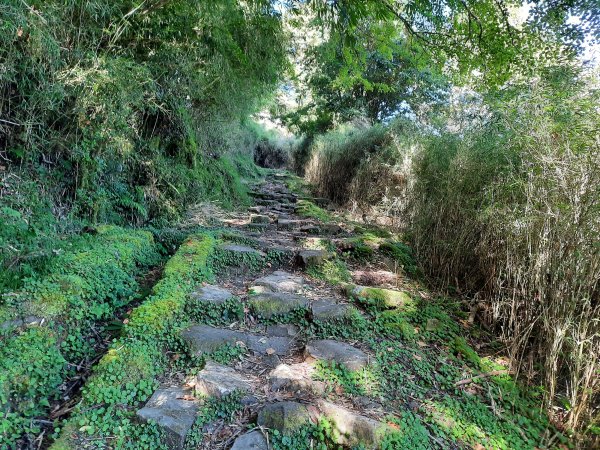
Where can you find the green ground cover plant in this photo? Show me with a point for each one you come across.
(80, 290)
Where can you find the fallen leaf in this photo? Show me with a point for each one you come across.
(126, 321)
(393, 425)
(187, 397)
(20, 32)
(270, 351)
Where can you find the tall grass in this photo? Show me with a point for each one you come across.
(335, 158)
(506, 212)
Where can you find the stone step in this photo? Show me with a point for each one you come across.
(380, 298)
(324, 310)
(211, 294)
(330, 350)
(285, 416)
(296, 378)
(217, 380)
(270, 304)
(279, 281)
(310, 229)
(259, 219)
(174, 410)
(312, 258)
(242, 255)
(206, 339)
(353, 430)
(253, 440)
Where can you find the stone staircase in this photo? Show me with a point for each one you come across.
(279, 358)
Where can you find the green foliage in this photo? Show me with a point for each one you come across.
(336, 157)
(460, 346)
(360, 250)
(227, 354)
(359, 382)
(126, 375)
(412, 434)
(214, 409)
(306, 208)
(333, 271)
(225, 313)
(31, 370)
(319, 436)
(81, 288)
(402, 254)
(131, 112)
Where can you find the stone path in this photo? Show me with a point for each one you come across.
(279, 363)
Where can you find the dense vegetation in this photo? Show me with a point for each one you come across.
(471, 129)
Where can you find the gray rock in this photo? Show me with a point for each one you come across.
(276, 345)
(283, 330)
(270, 304)
(216, 380)
(331, 228)
(327, 309)
(255, 209)
(259, 227)
(251, 441)
(174, 415)
(340, 352)
(353, 430)
(310, 258)
(285, 417)
(28, 321)
(296, 377)
(258, 218)
(279, 281)
(283, 224)
(310, 229)
(207, 339)
(243, 250)
(211, 294)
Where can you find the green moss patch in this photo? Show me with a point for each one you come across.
(306, 208)
(380, 298)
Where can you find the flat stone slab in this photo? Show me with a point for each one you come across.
(340, 352)
(328, 309)
(380, 298)
(269, 345)
(296, 377)
(259, 218)
(331, 228)
(310, 258)
(243, 250)
(284, 224)
(174, 415)
(207, 339)
(353, 430)
(211, 294)
(217, 380)
(283, 330)
(285, 417)
(310, 229)
(254, 440)
(271, 304)
(279, 281)
(28, 321)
